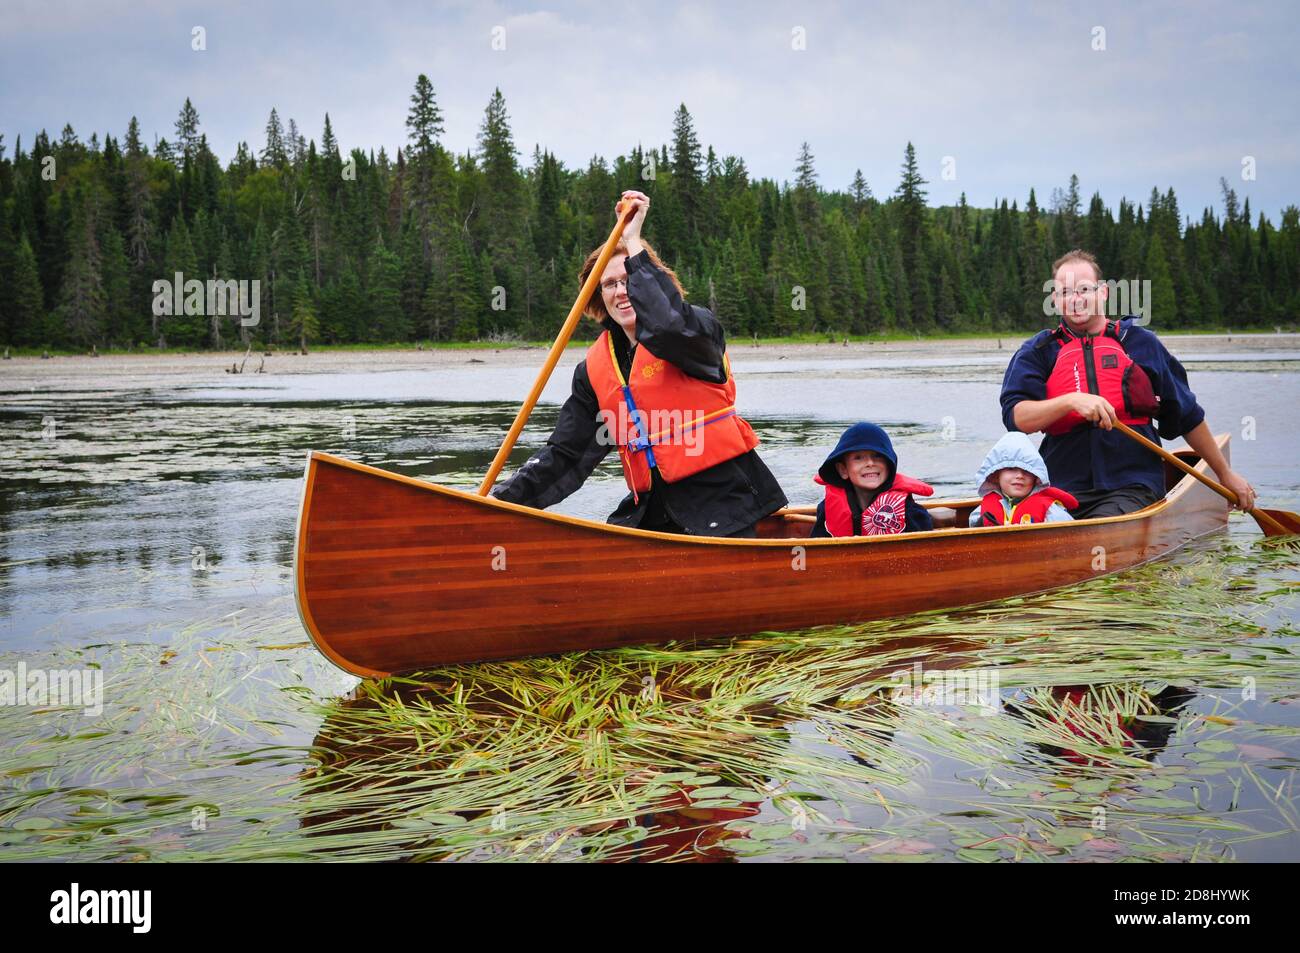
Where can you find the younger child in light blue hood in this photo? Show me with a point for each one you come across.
(1015, 488)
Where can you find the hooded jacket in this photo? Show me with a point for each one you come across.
(720, 501)
(866, 436)
(1015, 450)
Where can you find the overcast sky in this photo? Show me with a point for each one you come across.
(1015, 94)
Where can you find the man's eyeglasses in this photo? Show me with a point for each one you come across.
(611, 285)
(1082, 291)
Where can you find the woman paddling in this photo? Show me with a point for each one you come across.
(657, 385)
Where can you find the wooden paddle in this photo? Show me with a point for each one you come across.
(575, 314)
(1272, 522)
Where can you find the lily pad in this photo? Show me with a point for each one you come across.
(1161, 802)
(1091, 786)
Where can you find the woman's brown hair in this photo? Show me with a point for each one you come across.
(595, 305)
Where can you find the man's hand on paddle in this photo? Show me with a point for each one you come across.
(1246, 495)
(1096, 409)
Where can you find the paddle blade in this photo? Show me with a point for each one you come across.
(1289, 520)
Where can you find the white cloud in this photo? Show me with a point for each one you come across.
(1177, 97)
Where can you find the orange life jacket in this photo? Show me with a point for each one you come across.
(887, 513)
(1032, 509)
(660, 417)
(1099, 364)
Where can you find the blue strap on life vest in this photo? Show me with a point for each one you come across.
(640, 442)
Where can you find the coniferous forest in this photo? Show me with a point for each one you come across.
(436, 245)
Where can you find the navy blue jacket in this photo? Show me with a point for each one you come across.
(866, 436)
(1089, 458)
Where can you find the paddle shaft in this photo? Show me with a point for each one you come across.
(1260, 516)
(553, 358)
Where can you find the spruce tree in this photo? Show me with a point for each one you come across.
(28, 320)
(274, 153)
(187, 129)
(304, 325)
(383, 291)
(424, 120)
(687, 186)
(910, 200)
(82, 310)
(1163, 304)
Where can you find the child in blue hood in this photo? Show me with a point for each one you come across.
(1015, 489)
(865, 493)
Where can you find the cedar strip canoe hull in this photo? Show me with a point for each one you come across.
(394, 574)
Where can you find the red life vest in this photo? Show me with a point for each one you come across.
(1071, 701)
(1099, 364)
(1032, 509)
(661, 417)
(886, 515)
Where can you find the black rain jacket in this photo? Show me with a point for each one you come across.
(723, 500)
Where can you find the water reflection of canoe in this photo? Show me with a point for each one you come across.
(394, 574)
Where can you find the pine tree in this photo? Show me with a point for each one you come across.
(304, 325)
(1163, 304)
(876, 317)
(187, 129)
(352, 307)
(424, 121)
(275, 153)
(805, 186)
(687, 186)
(547, 226)
(329, 146)
(503, 194)
(134, 146)
(296, 144)
(383, 290)
(118, 312)
(28, 322)
(910, 198)
(82, 310)
(1071, 209)
(184, 329)
(860, 191)
(1034, 268)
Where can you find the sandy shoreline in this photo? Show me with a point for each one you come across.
(320, 362)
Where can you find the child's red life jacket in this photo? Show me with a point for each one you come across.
(1099, 364)
(886, 515)
(659, 415)
(1032, 509)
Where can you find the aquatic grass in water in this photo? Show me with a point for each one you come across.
(1150, 715)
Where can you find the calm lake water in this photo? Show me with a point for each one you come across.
(146, 529)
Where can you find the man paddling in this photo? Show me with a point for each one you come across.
(1076, 381)
(657, 385)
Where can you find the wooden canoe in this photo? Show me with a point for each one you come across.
(395, 574)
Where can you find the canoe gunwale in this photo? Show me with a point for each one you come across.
(1145, 513)
(316, 459)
